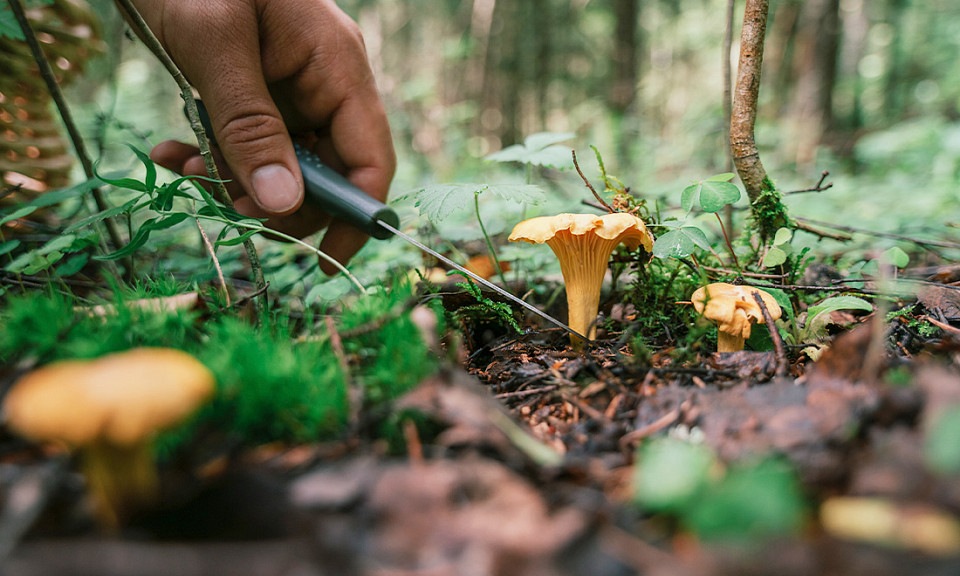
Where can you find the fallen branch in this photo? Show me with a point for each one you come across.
(782, 362)
(851, 229)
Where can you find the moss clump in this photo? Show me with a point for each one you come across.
(769, 212)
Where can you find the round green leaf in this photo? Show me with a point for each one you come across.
(774, 257)
(715, 195)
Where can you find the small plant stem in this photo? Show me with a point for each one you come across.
(736, 263)
(46, 72)
(493, 253)
(589, 185)
(193, 115)
(216, 262)
(264, 230)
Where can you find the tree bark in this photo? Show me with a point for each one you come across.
(768, 211)
(815, 67)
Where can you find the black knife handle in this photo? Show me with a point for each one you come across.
(331, 192)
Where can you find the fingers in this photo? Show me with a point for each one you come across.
(226, 70)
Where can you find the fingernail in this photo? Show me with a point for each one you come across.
(275, 189)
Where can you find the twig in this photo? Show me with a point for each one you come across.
(46, 72)
(942, 325)
(628, 440)
(589, 185)
(216, 262)
(821, 233)
(782, 362)
(800, 287)
(723, 229)
(746, 274)
(918, 241)
(818, 188)
(186, 92)
(525, 393)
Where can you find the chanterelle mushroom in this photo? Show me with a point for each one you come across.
(109, 409)
(734, 310)
(583, 244)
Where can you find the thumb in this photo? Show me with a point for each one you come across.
(250, 131)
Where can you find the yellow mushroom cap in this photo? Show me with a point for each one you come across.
(120, 398)
(583, 244)
(619, 227)
(733, 307)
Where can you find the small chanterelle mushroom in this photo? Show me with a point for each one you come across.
(110, 409)
(583, 244)
(734, 309)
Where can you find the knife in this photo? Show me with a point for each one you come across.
(329, 191)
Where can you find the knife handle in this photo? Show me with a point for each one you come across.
(329, 191)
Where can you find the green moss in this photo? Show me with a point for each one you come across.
(769, 212)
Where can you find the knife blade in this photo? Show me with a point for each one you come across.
(331, 192)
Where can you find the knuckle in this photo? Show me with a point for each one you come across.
(250, 130)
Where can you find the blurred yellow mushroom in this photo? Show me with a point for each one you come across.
(583, 244)
(110, 409)
(734, 310)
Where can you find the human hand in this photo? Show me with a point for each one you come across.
(266, 70)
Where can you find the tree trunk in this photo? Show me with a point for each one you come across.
(624, 87)
(815, 67)
(768, 211)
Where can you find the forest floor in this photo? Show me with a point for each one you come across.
(480, 498)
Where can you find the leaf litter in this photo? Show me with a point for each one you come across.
(531, 459)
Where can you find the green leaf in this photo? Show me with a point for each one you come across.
(775, 257)
(680, 243)
(782, 236)
(8, 25)
(519, 193)
(689, 196)
(542, 140)
(838, 303)
(941, 450)
(58, 196)
(150, 180)
(715, 195)
(99, 216)
(515, 153)
(896, 256)
(725, 177)
(127, 183)
(539, 150)
(143, 233)
(670, 473)
(73, 265)
(819, 316)
(57, 244)
(18, 213)
(757, 501)
(238, 240)
(438, 201)
(42, 261)
(8, 246)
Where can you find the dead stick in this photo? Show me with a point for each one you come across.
(782, 363)
(216, 262)
(851, 229)
(942, 325)
(589, 185)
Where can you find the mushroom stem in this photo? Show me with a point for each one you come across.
(728, 342)
(583, 263)
(121, 479)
